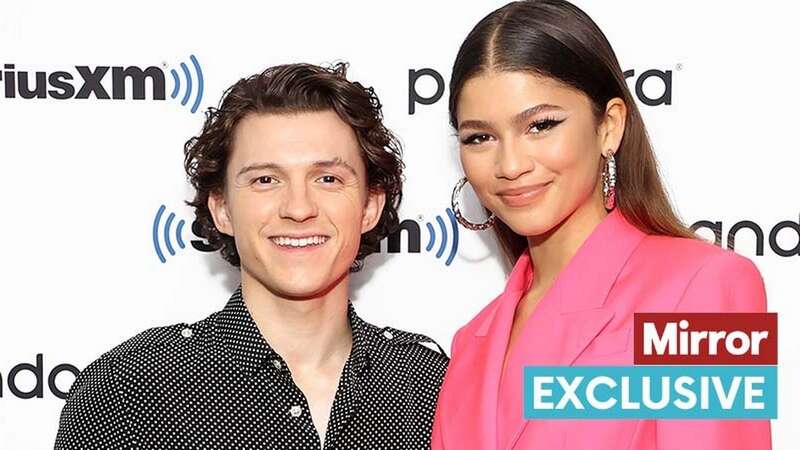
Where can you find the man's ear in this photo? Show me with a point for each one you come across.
(373, 210)
(219, 212)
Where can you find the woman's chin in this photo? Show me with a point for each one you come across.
(528, 224)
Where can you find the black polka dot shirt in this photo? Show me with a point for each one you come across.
(217, 384)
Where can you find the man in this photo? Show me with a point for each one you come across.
(297, 181)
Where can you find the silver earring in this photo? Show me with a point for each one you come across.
(457, 210)
(609, 182)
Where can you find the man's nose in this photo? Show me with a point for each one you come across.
(298, 204)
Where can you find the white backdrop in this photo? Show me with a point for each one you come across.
(83, 179)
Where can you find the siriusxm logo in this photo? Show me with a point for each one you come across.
(187, 92)
(414, 236)
(164, 231)
(100, 80)
(164, 234)
(169, 235)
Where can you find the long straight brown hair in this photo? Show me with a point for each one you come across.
(556, 39)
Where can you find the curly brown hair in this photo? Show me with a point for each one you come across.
(287, 89)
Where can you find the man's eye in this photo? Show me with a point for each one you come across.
(266, 179)
(475, 139)
(328, 179)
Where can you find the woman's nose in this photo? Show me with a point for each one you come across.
(512, 162)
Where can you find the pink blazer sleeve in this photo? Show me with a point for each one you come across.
(728, 282)
(436, 433)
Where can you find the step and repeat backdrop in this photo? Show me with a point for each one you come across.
(96, 102)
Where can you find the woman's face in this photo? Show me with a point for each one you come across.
(531, 148)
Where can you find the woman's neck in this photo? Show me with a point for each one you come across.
(552, 251)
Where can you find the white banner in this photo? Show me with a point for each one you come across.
(99, 244)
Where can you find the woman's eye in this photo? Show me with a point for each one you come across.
(543, 125)
(475, 139)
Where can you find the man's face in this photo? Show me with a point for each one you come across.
(296, 201)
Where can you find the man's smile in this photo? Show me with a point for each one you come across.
(299, 242)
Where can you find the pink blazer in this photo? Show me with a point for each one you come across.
(586, 318)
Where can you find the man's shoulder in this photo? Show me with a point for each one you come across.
(417, 348)
(166, 337)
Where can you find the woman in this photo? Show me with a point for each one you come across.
(556, 151)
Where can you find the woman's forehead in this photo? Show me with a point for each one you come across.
(506, 93)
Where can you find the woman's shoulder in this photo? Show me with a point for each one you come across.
(688, 255)
(689, 248)
(709, 276)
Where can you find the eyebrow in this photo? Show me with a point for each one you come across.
(335, 162)
(517, 120)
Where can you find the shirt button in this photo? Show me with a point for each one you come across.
(277, 364)
(388, 334)
(295, 411)
(186, 332)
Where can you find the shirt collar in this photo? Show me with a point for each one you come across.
(239, 334)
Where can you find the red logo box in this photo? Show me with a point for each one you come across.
(694, 338)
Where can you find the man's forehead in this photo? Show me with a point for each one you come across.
(294, 140)
(294, 126)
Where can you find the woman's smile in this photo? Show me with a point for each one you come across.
(524, 195)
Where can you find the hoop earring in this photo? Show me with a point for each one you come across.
(457, 210)
(609, 182)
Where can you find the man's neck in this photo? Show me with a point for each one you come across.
(309, 334)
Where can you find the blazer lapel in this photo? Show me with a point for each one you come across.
(489, 347)
(581, 290)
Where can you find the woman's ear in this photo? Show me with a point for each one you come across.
(373, 210)
(218, 207)
(613, 126)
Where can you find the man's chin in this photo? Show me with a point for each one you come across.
(295, 281)
(303, 286)
(303, 294)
